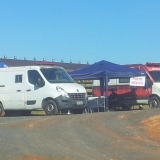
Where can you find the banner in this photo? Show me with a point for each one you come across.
(137, 81)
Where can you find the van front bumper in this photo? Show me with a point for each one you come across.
(64, 103)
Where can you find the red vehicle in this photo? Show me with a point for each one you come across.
(135, 95)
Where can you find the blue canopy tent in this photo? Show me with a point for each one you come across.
(3, 65)
(103, 70)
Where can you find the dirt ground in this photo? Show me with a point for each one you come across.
(152, 125)
(120, 135)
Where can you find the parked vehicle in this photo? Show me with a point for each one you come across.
(39, 87)
(136, 95)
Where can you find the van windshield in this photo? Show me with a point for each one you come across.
(155, 75)
(56, 75)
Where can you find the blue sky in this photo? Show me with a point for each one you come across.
(119, 31)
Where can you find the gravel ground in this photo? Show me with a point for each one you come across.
(120, 135)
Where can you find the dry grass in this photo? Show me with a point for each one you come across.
(37, 113)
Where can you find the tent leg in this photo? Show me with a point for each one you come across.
(106, 89)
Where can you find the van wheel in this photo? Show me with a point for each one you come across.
(2, 113)
(154, 102)
(50, 107)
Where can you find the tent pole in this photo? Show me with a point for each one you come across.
(106, 89)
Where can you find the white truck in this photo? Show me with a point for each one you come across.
(50, 88)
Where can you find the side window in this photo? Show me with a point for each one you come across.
(149, 81)
(124, 80)
(33, 76)
(148, 78)
(18, 78)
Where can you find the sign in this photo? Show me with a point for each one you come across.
(137, 81)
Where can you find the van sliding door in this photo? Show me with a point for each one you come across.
(14, 90)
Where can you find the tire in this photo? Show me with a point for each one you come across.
(2, 113)
(154, 102)
(77, 111)
(50, 107)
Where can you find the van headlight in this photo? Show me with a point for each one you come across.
(62, 91)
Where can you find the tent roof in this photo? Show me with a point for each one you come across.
(104, 68)
(3, 65)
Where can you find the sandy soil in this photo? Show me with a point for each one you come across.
(120, 135)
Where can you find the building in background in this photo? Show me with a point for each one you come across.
(16, 62)
(67, 66)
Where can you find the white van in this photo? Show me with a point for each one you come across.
(39, 87)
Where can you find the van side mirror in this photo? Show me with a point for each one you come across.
(40, 82)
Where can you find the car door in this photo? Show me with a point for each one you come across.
(33, 93)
